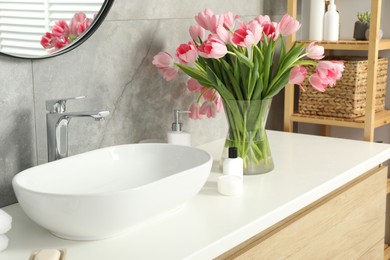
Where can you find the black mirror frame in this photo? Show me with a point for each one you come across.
(106, 6)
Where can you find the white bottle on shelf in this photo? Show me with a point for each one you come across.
(331, 23)
(317, 10)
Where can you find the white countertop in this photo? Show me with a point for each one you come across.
(306, 169)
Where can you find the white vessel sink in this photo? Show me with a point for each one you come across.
(100, 194)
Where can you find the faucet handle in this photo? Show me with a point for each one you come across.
(59, 105)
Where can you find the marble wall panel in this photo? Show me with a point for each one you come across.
(167, 9)
(17, 126)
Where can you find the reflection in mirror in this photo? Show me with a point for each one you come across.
(45, 28)
(63, 33)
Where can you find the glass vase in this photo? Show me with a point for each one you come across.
(247, 120)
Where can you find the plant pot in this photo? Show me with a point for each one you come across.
(367, 34)
(359, 32)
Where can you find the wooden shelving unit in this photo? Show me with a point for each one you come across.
(352, 45)
(387, 252)
(388, 186)
(381, 118)
(371, 119)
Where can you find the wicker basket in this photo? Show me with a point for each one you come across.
(348, 98)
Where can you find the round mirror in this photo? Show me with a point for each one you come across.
(37, 29)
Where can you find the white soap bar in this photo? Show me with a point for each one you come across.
(48, 254)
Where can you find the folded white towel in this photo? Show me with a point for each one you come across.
(5, 222)
(3, 242)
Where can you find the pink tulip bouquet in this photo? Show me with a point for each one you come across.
(63, 34)
(239, 68)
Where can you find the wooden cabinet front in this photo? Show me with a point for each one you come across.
(347, 224)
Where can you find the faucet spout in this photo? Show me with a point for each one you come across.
(97, 115)
(57, 130)
(101, 115)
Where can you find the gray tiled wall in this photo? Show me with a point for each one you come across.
(113, 69)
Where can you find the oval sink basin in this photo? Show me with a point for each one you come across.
(101, 193)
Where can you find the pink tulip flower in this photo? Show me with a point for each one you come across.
(318, 83)
(314, 51)
(203, 18)
(166, 63)
(187, 53)
(209, 94)
(74, 24)
(61, 42)
(271, 30)
(229, 20)
(248, 34)
(195, 111)
(223, 34)
(209, 21)
(48, 40)
(196, 32)
(82, 27)
(193, 85)
(327, 73)
(339, 67)
(60, 28)
(213, 95)
(208, 108)
(212, 48)
(330, 71)
(298, 75)
(218, 102)
(79, 17)
(263, 19)
(288, 25)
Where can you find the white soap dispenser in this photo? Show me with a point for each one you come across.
(177, 135)
(331, 23)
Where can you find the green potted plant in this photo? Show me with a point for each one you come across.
(361, 26)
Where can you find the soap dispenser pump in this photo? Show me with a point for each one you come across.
(177, 135)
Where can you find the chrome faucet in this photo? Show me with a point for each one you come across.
(57, 121)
